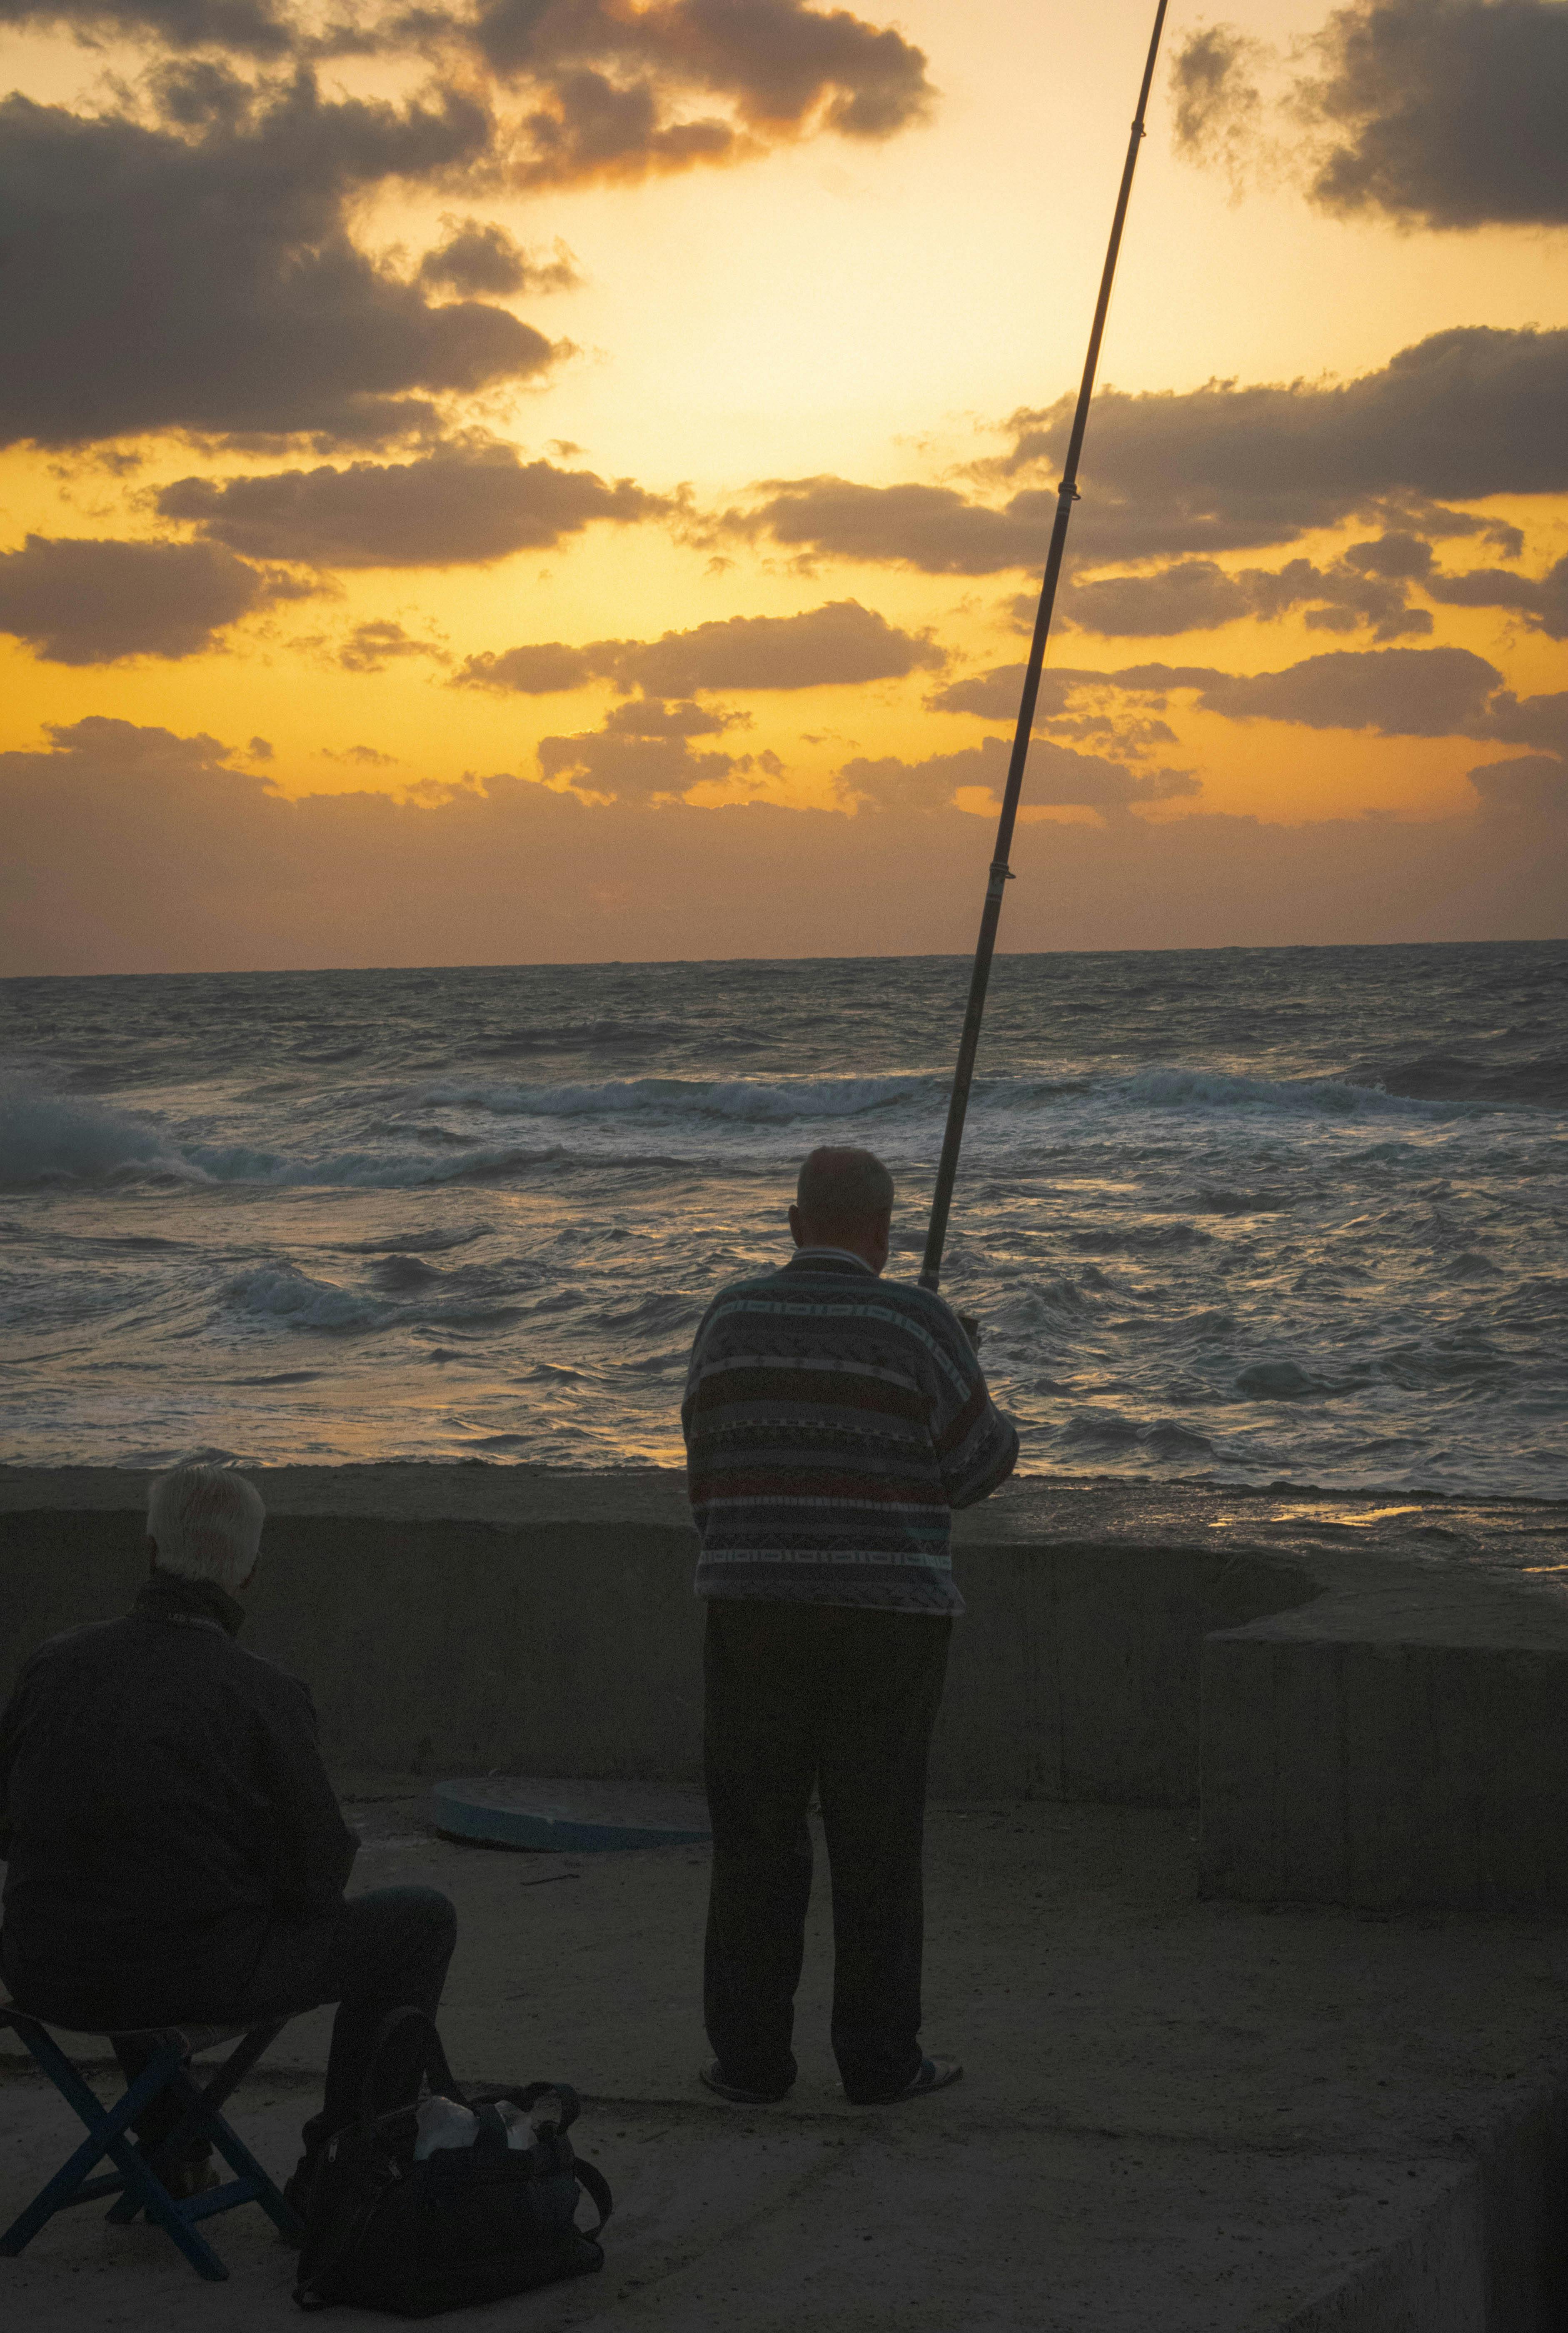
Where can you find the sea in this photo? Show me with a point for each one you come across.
(1245, 1215)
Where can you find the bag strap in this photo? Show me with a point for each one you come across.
(595, 2185)
(434, 2064)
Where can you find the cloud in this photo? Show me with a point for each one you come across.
(647, 756)
(613, 86)
(1071, 704)
(1534, 787)
(1197, 595)
(1440, 113)
(111, 815)
(79, 601)
(936, 529)
(1440, 692)
(1462, 416)
(462, 506)
(370, 647)
(369, 757)
(479, 257)
(1543, 604)
(1459, 417)
(545, 669)
(1396, 692)
(837, 644)
(248, 27)
(1447, 112)
(1058, 777)
(204, 278)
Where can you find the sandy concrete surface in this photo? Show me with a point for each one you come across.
(1179, 2116)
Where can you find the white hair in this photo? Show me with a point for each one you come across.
(207, 1523)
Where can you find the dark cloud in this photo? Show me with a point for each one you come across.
(1463, 415)
(613, 87)
(247, 27)
(1534, 788)
(1072, 704)
(205, 279)
(1543, 604)
(370, 647)
(1394, 692)
(1195, 595)
(545, 669)
(1219, 107)
(1441, 113)
(1058, 776)
(1365, 589)
(78, 601)
(1447, 112)
(368, 757)
(1460, 415)
(462, 506)
(480, 256)
(113, 815)
(1540, 721)
(934, 528)
(633, 768)
(840, 643)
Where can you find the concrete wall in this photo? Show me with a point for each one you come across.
(1354, 1733)
(576, 1648)
(1371, 1765)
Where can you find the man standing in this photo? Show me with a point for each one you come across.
(831, 1424)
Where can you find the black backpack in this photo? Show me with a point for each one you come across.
(467, 2225)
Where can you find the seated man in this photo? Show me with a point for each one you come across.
(177, 1855)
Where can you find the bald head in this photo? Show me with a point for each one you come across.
(844, 1199)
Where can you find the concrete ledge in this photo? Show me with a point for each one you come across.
(1397, 1744)
(1362, 1723)
(574, 1649)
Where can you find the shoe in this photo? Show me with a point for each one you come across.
(932, 2074)
(712, 2078)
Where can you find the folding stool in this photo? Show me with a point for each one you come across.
(136, 2179)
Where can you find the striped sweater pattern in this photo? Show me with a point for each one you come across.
(833, 1421)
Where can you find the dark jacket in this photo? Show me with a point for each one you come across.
(162, 1800)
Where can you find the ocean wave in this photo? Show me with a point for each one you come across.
(281, 1291)
(1184, 1089)
(749, 1101)
(49, 1139)
(47, 1136)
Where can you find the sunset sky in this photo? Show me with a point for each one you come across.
(568, 479)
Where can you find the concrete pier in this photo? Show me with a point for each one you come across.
(1246, 1903)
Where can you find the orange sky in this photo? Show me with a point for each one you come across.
(269, 278)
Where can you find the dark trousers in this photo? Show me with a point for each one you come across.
(800, 1695)
(387, 1950)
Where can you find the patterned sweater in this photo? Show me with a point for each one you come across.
(832, 1422)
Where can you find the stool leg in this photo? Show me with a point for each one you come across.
(202, 2115)
(107, 2134)
(204, 2100)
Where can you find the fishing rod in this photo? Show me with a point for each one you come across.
(1001, 873)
